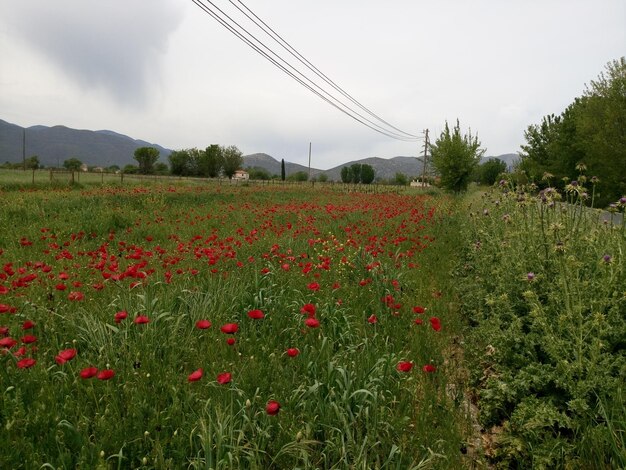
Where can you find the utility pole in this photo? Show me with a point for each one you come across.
(24, 147)
(426, 143)
(309, 161)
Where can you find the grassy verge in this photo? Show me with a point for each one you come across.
(542, 289)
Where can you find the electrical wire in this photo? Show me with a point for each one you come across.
(289, 48)
(249, 39)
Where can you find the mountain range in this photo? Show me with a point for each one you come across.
(53, 145)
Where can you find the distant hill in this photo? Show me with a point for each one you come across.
(54, 145)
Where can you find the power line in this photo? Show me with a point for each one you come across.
(289, 48)
(248, 38)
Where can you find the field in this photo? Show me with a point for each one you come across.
(178, 325)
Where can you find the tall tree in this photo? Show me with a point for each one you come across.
(179, 162)
(146, 157)
(72, 164)
(233, 160)
(455, 156)
(214, 159)
(367, 174)
(282, 169)
(346, 175)
(490, 171)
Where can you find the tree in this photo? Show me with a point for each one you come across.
(400, 179)
(355, 173)
(233, 160)
(258, 173)
(489, 172)
(72, 164)
(298, 176)
(322, 177)
(214, 160)
(32, 163)
(161, 168)
(368, 174)
(346, 175)
(180, 162)
(282, 169)
(146, 157)
(455, 157)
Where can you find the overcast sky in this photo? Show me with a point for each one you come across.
(166, 72)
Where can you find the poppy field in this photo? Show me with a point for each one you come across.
(172, 326)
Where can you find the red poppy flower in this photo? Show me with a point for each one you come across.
(419, 309)
(29, 339)
(404, 366)
(272, 408)
(65, 355)
(203, 324)
(26, 363)
(141, 320)
(435, 323)
(60, 286)
(7, 342)
(312, 322)
(293, 352)
(27, 325)
(418, 321)
(308, 309)
(88, 372)
(229, 328)
(224, 378)
(314, 286)
(230, 341)
(4, 308)
(121, 315)
(105, 374)
(195, 375)
(429, 368)
(75, 296)
(4, 330)
(256, 314)
(20, 352)
(372, 319)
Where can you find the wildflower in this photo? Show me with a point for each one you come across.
(7, 342)
(312, 322)
(121, 315)
(272, 408)
(256, 314)
(404, 366)
(314, 286)
(607, 259)
(429, 368)
(308, 309)
(26, 363)
(88, 372)
(27, 325)
(105, 374)
(65, 355)
(29, 339)
(418, 321)
(203, 324)
(435, 323)
(224, 378)
(195, 375)
(230, 341)
(293, 352)
(418, 309)
(372, 319)
(229, 328)
(141, 320)
(530, 276)
(75, 296)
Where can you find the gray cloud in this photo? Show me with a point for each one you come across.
(116, 45)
